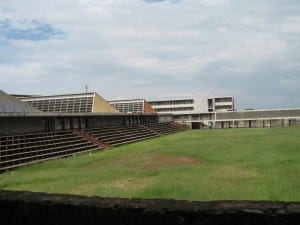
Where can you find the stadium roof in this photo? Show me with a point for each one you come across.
(71, 103)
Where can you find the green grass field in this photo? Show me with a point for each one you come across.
(229, 164)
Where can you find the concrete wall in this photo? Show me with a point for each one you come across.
(11, 104)
(38, 208)
(165, 118)
(16, 125)
(10, 125)
(94, 122)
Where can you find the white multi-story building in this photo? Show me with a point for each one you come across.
(219, 112)
(194, 109)
(194, 105)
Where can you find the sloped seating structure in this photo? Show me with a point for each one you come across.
(118, 135)
(25, 149)
(165, 128)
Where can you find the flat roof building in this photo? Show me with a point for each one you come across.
(193, 105)
(219, 112)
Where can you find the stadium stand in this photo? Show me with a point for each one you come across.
(25, 149)
(47, 127)
(117, 135)
(164, 128)
(19, 150)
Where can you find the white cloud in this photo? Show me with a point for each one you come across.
(214, 2)
(21, 72)
(291, 25)
(215, 46)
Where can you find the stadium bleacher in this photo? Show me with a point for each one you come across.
(165, 128)
(19, 150)
(25, 149)
(117, 135)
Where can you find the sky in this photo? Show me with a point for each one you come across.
(154, 49)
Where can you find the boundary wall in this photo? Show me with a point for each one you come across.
(40, 208)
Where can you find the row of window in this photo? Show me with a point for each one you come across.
(188, 101)
(64, 101)
(175, 102)
(63, 109)
(223, 107)
(128, 107)
(63, 105)
(175, 109)
(223, 99)
(60, 105)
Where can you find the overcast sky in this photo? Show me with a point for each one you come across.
(154, 49)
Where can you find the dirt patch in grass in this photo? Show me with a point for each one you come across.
(160, 161)
(147, 161)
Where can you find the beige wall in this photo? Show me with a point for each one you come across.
(148, 108)
(102, 106)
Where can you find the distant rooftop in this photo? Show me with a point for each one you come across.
(90, 102)
(56, 96)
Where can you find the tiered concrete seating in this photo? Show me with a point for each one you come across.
(165, 128)
(25, 149)
(118, 135)
(19, 150)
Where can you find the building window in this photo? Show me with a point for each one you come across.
(223, 99)
(223, 107)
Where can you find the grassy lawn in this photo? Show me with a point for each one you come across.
(229, 164)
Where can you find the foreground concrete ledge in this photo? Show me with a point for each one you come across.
(17, 207)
